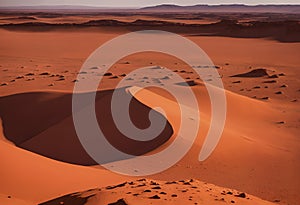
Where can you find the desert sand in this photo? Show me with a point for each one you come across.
(42, 160)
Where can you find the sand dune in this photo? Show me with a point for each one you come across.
(260, 147)
(52, 133)
(284, 31)
(258, 154)
(27, 174)
(143, 191)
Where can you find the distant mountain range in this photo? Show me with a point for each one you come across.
(240, 8)
(226, 8)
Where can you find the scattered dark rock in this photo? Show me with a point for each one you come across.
(186, 183)
(155, 80)
(174, 195)
(114, 77)
(123, 75)
(82, 72)
(94, 68)
(29, 74)
(45, 73)
(165, 78)
(229, 192)
(265, 98)
(75, 81)
(13, 80)
(241, 195)
(19, 77)
(260, 72)
(234, 82)
(281, 74)
(116, 186)
(156, 68)
(232, 201)
(3, 84)
(276, 200)
(163, 193)
(270, 81)
(274, 76)
(156, 187)
(173, 182)
(154, 183)
(280, 123)
(107, 74)
(52, 84)
(154, 197)
(60, 79)
(188, 83)
(119, 202)
(284, 86)
(141, 180)
(294, 100)
(147, 190)
(279, 93)
(141, 185)
(256, 87)
(30, 79)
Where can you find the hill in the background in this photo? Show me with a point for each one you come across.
(226, 8)
(235, 8)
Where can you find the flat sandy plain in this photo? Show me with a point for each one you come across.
(256, 161)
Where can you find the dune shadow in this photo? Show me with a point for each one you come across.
(41, 122)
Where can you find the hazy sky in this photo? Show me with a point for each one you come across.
(136, 3)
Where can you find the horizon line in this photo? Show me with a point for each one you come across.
(155, 5)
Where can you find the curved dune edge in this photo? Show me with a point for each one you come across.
(29, 169)
(243, 154)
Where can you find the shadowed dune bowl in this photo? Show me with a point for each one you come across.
(46, 118)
